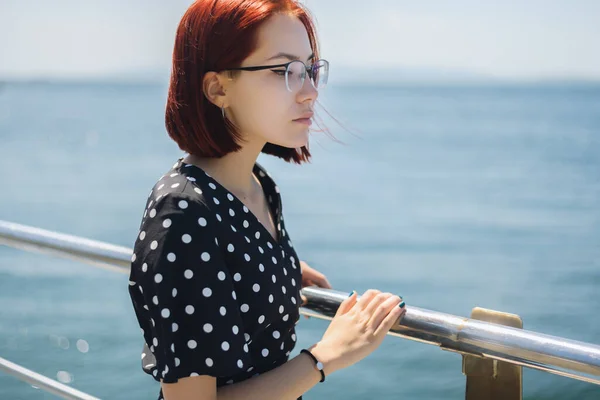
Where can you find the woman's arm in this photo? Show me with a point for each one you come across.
(286, 382)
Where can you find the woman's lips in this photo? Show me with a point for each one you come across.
(305, 121)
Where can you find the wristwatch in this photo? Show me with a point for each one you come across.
(318, 363)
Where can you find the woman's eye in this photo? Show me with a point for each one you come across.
(280, 72)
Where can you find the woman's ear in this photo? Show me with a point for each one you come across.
(213, 88)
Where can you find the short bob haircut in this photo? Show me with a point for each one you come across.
(215, 35)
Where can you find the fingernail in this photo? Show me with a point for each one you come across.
(401, 305)
(351, 293)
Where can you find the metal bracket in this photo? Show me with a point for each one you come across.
(492, 379)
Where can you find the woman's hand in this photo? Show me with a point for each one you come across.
(312, 277)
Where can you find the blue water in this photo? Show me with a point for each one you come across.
(453, 197)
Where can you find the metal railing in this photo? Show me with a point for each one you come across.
(570, 358)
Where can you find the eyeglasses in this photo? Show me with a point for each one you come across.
(295, 73)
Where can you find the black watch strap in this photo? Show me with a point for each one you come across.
(318, 363)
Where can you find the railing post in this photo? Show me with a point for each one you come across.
(489, 379)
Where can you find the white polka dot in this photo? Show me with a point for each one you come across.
(197, 190)
(274, 278)
(144, 267)
(233, 295)
(265, 352)
(230, 248)
(216, 201)
(294, 300)
(245, 347)
(247, 257)
(183, 204)
(246, 337)
(229, 196)
(209, 362)
(225, 346)
(194, 374)
(235, 329)
(212, 186)
(155, 300)
(155, 342)
(142, 235)
(152, 213)
(166, 223)
(174, 185)
(244, 308)
(246, 224)
(141, 290)
(257, 235)
(270, 245)
(283, 289)
(261, 319)
(186, 238)
(208, 328)
(174, 327)
(270, 298)
(256, 287)
(231, 212)
(190, 178)
(280, 309)
(205, 256)
(247, 239)
(219, 218)
(293, 282)
(177, 362)
(240, 364)
(206, 292)
(294, 337)
(221, 275)
(160, 187)
(276, 334)
(189, 309)
(223, 311)
(202, 221)
(158, 278)
(154, 245)
(188, 274)
(286, 317)
(274, 260)
(246, 209)
(237, 277)
(285, 272)
(171, 257)
(133, 257)
(165, 313)
(261, 250)
(174, 292)
(173, 174)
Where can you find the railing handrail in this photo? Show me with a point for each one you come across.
(574, 359)
(43, 382)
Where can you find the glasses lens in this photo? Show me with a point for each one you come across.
(294, 77)
(320, 74)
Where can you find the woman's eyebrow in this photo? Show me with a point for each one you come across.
(290, 57)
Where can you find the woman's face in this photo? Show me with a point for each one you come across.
(260, 105)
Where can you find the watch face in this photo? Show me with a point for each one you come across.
(320, 365)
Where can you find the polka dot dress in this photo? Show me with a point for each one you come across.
(214, 293)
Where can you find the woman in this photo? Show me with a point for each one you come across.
(215, 280)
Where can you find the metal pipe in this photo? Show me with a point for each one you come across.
(43, 382)
(574, 359)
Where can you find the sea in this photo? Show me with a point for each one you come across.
(453, 196)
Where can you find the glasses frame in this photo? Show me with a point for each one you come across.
(309, 70)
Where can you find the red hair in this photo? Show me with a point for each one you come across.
(214, 35)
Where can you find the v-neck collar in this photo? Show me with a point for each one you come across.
(269, 189)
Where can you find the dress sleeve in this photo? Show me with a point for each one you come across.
(190, 317)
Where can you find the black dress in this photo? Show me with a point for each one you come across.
(214, 293)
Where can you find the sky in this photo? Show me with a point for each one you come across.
(510, 39)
